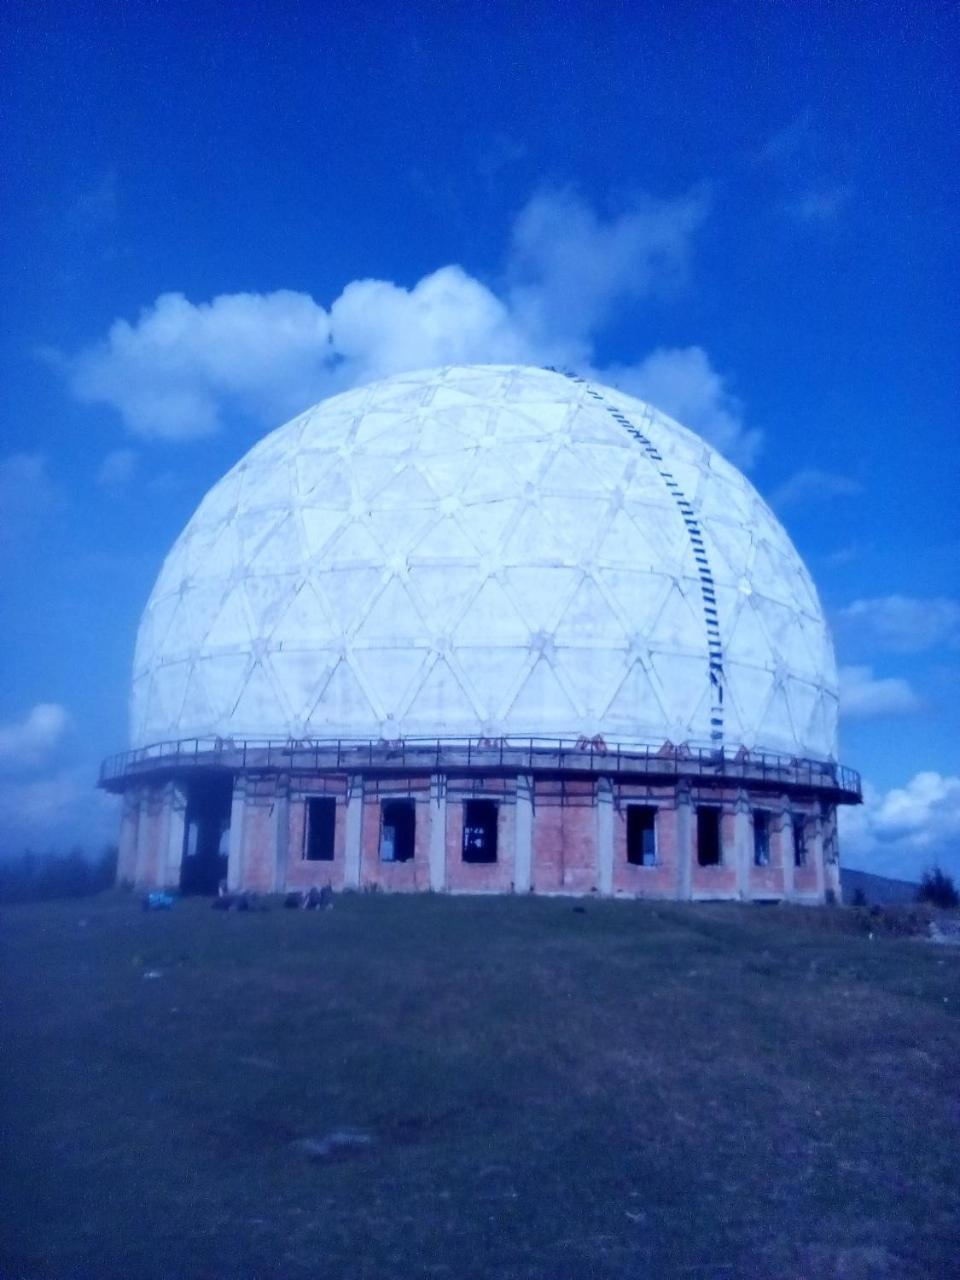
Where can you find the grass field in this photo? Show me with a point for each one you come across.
(627, 1090)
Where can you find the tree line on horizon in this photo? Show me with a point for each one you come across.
(37, 877)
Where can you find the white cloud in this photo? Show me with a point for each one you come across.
(820, 206)
(683, 383)
(903, 831)
(903, 624)
(812, 485)
(182, 367)
(117, 468)
(56, 811)
(567, 267)
(26, 743)
(864, 696)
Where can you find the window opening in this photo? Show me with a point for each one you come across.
(397, 830)
(799, 840)
(708, 835)
(642, 835)
(761, 838)
(479, 831)
(321, 828)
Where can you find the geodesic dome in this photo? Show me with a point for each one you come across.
(486, 551)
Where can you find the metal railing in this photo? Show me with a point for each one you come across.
(574, 754)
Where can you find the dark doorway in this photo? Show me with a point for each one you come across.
(207, 835)
(708, 836)
(321, 829)
(397, 830)
(642, 835)
(479, 831)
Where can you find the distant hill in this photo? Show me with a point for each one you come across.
(877, 890)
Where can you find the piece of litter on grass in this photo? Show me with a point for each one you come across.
(338, 1142)
(152, 973)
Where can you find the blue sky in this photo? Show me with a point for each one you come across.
(213, 217)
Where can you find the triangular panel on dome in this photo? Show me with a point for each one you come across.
(493, 675)
(221, 501)
(624, 543)
(301, 674)
(199, 606)
(366, 476)
(822, 730)
(313, 468)
(270, 485)
(319, 525)
(444, 541)
(348, 592)
(443, 592)
(198, 715)
(305, 621)
(231, 626)
(491, 618)
(591, 678)
(589, 619)
(280, 549)
(730, 548)
(215, 552)
(407, 489)
(635, 708)
(802, 698)
(447, 468)
(166, 696)
(343, 707)
(542, 703)
(771, 573)
(490, 479)
(260, 709)
(486, 523)
(393, 617)
(223, 677)
(575, 521)
(744, 636)
(685, 681)
(390, 674)
(327, 429)
(640, 596)
(386, 430)
(155, 625)
(568, 475)
(540, 593)
(681, 624)
(442, 704)
(776, 729)
(268, 597)
(533, 539)
(354, 544)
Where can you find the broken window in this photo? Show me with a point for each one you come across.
(321, 825)
(397, 830)
(708, 835)
(761, 838)
(799, 824)
(642, 835)
(479, 831)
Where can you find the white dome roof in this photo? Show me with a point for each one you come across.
(486, 550)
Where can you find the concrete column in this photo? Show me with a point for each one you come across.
(831, 851)
(152, 845)
(684, 828)
(129, 836)
(236, 850)
(353, 832)
(786, 846)
(742, 844)
(605, 836)
(523, 841)
(175, 803)
(281, 816)
(438, 832)
(815, 851)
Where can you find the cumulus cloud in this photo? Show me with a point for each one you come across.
(683, 383)
(29, 742)
(812, 485)
(57, 810)
(864, 696)
(903, 624)
(182, 367)
(903, 831)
